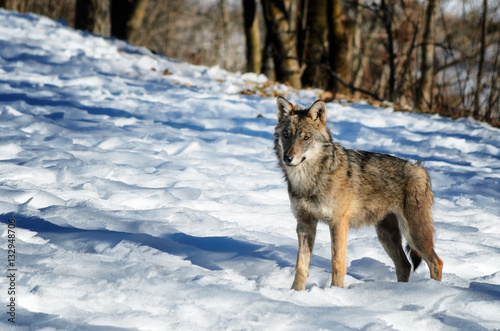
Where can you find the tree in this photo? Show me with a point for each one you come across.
(314, 44)
(281, 21)
(388, 73)
(357, 63)
(482, 53)
(425, 86)
(225, 33)
(252, 34)
(93, 16)
(127, 17)
(337, 39)
(11, 5)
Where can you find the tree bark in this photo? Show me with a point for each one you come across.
(356, 40)
(387, 21)
(383, 82)
(492, 113)
(136, 20)
(93, 16)
(337, 39)
(252, 34)
(482, 52)
(267, 67)
(425, 86)
(11, 5)
(364, 54)
(225, 33)
(315, 45)
(281, 22)
(127, 17)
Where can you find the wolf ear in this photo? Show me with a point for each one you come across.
(317, 111)
(284, 108)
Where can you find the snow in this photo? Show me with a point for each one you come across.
(146, 201)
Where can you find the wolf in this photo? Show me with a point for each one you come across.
(348, 188)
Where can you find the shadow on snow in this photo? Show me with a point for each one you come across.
(204, 252)
(201, 251)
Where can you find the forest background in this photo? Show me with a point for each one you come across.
(435, 56)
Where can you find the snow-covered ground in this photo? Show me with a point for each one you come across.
(145, 201)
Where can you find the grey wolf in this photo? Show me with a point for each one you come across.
(348, 189)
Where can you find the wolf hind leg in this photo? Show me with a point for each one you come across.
(418, 225)
(389, 235)
(419, 235)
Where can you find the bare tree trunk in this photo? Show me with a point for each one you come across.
(252, 34)
(482, 52)
(404, 66)
(492, 113)
(281, 21)
(127, 17)
(225, 33)
(356, 40)
(134, 25)
(425, 86)
(387, 21)
(11, 5)
(316, 45)
(268, 59)
(93, 16)
(364, 56)
(337, 38)
(383, 82)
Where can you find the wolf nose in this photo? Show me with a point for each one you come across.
(288, 159)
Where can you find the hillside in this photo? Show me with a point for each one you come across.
(146, 196)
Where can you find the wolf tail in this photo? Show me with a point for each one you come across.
(414, 256)
(418, 214)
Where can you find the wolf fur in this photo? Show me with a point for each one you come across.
(350, 188)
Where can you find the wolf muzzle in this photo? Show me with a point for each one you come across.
(288, 160)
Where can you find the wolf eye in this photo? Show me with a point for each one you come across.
(286, 135)
(306, 137)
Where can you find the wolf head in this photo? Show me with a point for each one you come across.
(301, 133)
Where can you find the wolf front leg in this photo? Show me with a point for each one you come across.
(306, 232)
(338, 234)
